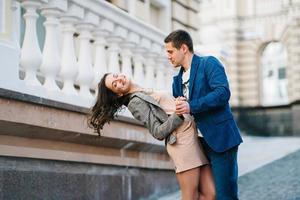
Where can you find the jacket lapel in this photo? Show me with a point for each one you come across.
(178, 83)
(194, 68)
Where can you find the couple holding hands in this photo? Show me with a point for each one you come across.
(196, 122)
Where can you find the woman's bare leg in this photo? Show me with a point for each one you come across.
(189, 183)
(207, 185)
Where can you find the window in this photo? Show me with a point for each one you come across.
(273, 73)
(281, 73)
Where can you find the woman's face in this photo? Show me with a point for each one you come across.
(118, 83)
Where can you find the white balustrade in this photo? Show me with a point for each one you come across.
(100, 64)
(114, 49)
(51, 57)
(126, 53)
(113, 54)
(31, 56)
(69, 64)
(169, 76)
(160, 74)
(139, 60)
(151, 65)
(85, 71)
(16, 16)
(118, 39)
(149, 69)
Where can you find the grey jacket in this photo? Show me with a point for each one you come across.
(145, 109)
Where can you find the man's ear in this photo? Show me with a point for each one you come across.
(184, 48)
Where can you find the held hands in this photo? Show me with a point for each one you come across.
(182, 106)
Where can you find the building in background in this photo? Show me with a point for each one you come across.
(258, 41)
(165, 15)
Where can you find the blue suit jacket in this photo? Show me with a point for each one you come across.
(208, 99)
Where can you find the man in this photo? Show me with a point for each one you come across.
(202, 90)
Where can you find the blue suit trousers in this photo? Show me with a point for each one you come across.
(225, 171)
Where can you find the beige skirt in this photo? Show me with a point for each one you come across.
(186, 153)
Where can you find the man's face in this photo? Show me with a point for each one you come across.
(118, 83)
(174, 55)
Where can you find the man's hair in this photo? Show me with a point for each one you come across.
(180, 37)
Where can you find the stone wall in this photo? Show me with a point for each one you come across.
(27, 179)
(48, 152)
(269, 121)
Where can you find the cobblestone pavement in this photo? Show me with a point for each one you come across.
(269, 168)
(279, 180)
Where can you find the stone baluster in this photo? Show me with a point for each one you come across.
(15, 8)
(160, 73)
(100, 64)
(85, 71)
(114, 49)
(10, 76)
(69, 64)
(149, 70)
(126, 53)
(51, 58)
(31, 56)
(169, 73)
(150, 65)
(138, 60)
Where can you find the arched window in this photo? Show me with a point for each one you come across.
(273, 70)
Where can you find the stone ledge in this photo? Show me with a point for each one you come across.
(14, 95)
(41, 132)
(19, 118)
(13, 146)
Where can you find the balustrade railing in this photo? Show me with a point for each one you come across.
(83, 40)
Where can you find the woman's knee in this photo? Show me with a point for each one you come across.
(191, 194)
(208, 196)
(211, 195)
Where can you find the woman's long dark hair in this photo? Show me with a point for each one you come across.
(106, 107)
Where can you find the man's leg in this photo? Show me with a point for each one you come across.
(225, 171)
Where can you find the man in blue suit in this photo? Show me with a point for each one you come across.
(203, 91)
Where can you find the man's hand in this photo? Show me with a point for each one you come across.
(182, 106)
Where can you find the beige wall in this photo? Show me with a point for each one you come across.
(185, 16)
(153, 12)
(238, 33)
(177, 14)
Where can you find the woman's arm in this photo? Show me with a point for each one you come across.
(142, 111)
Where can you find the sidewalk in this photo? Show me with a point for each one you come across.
(279, 180)
(258, 159)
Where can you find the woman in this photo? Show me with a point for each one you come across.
(157, 111)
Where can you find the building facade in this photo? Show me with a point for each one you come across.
(165, 15)
(258, 42)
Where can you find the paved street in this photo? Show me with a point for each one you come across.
(278, 180)
(269, 168)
